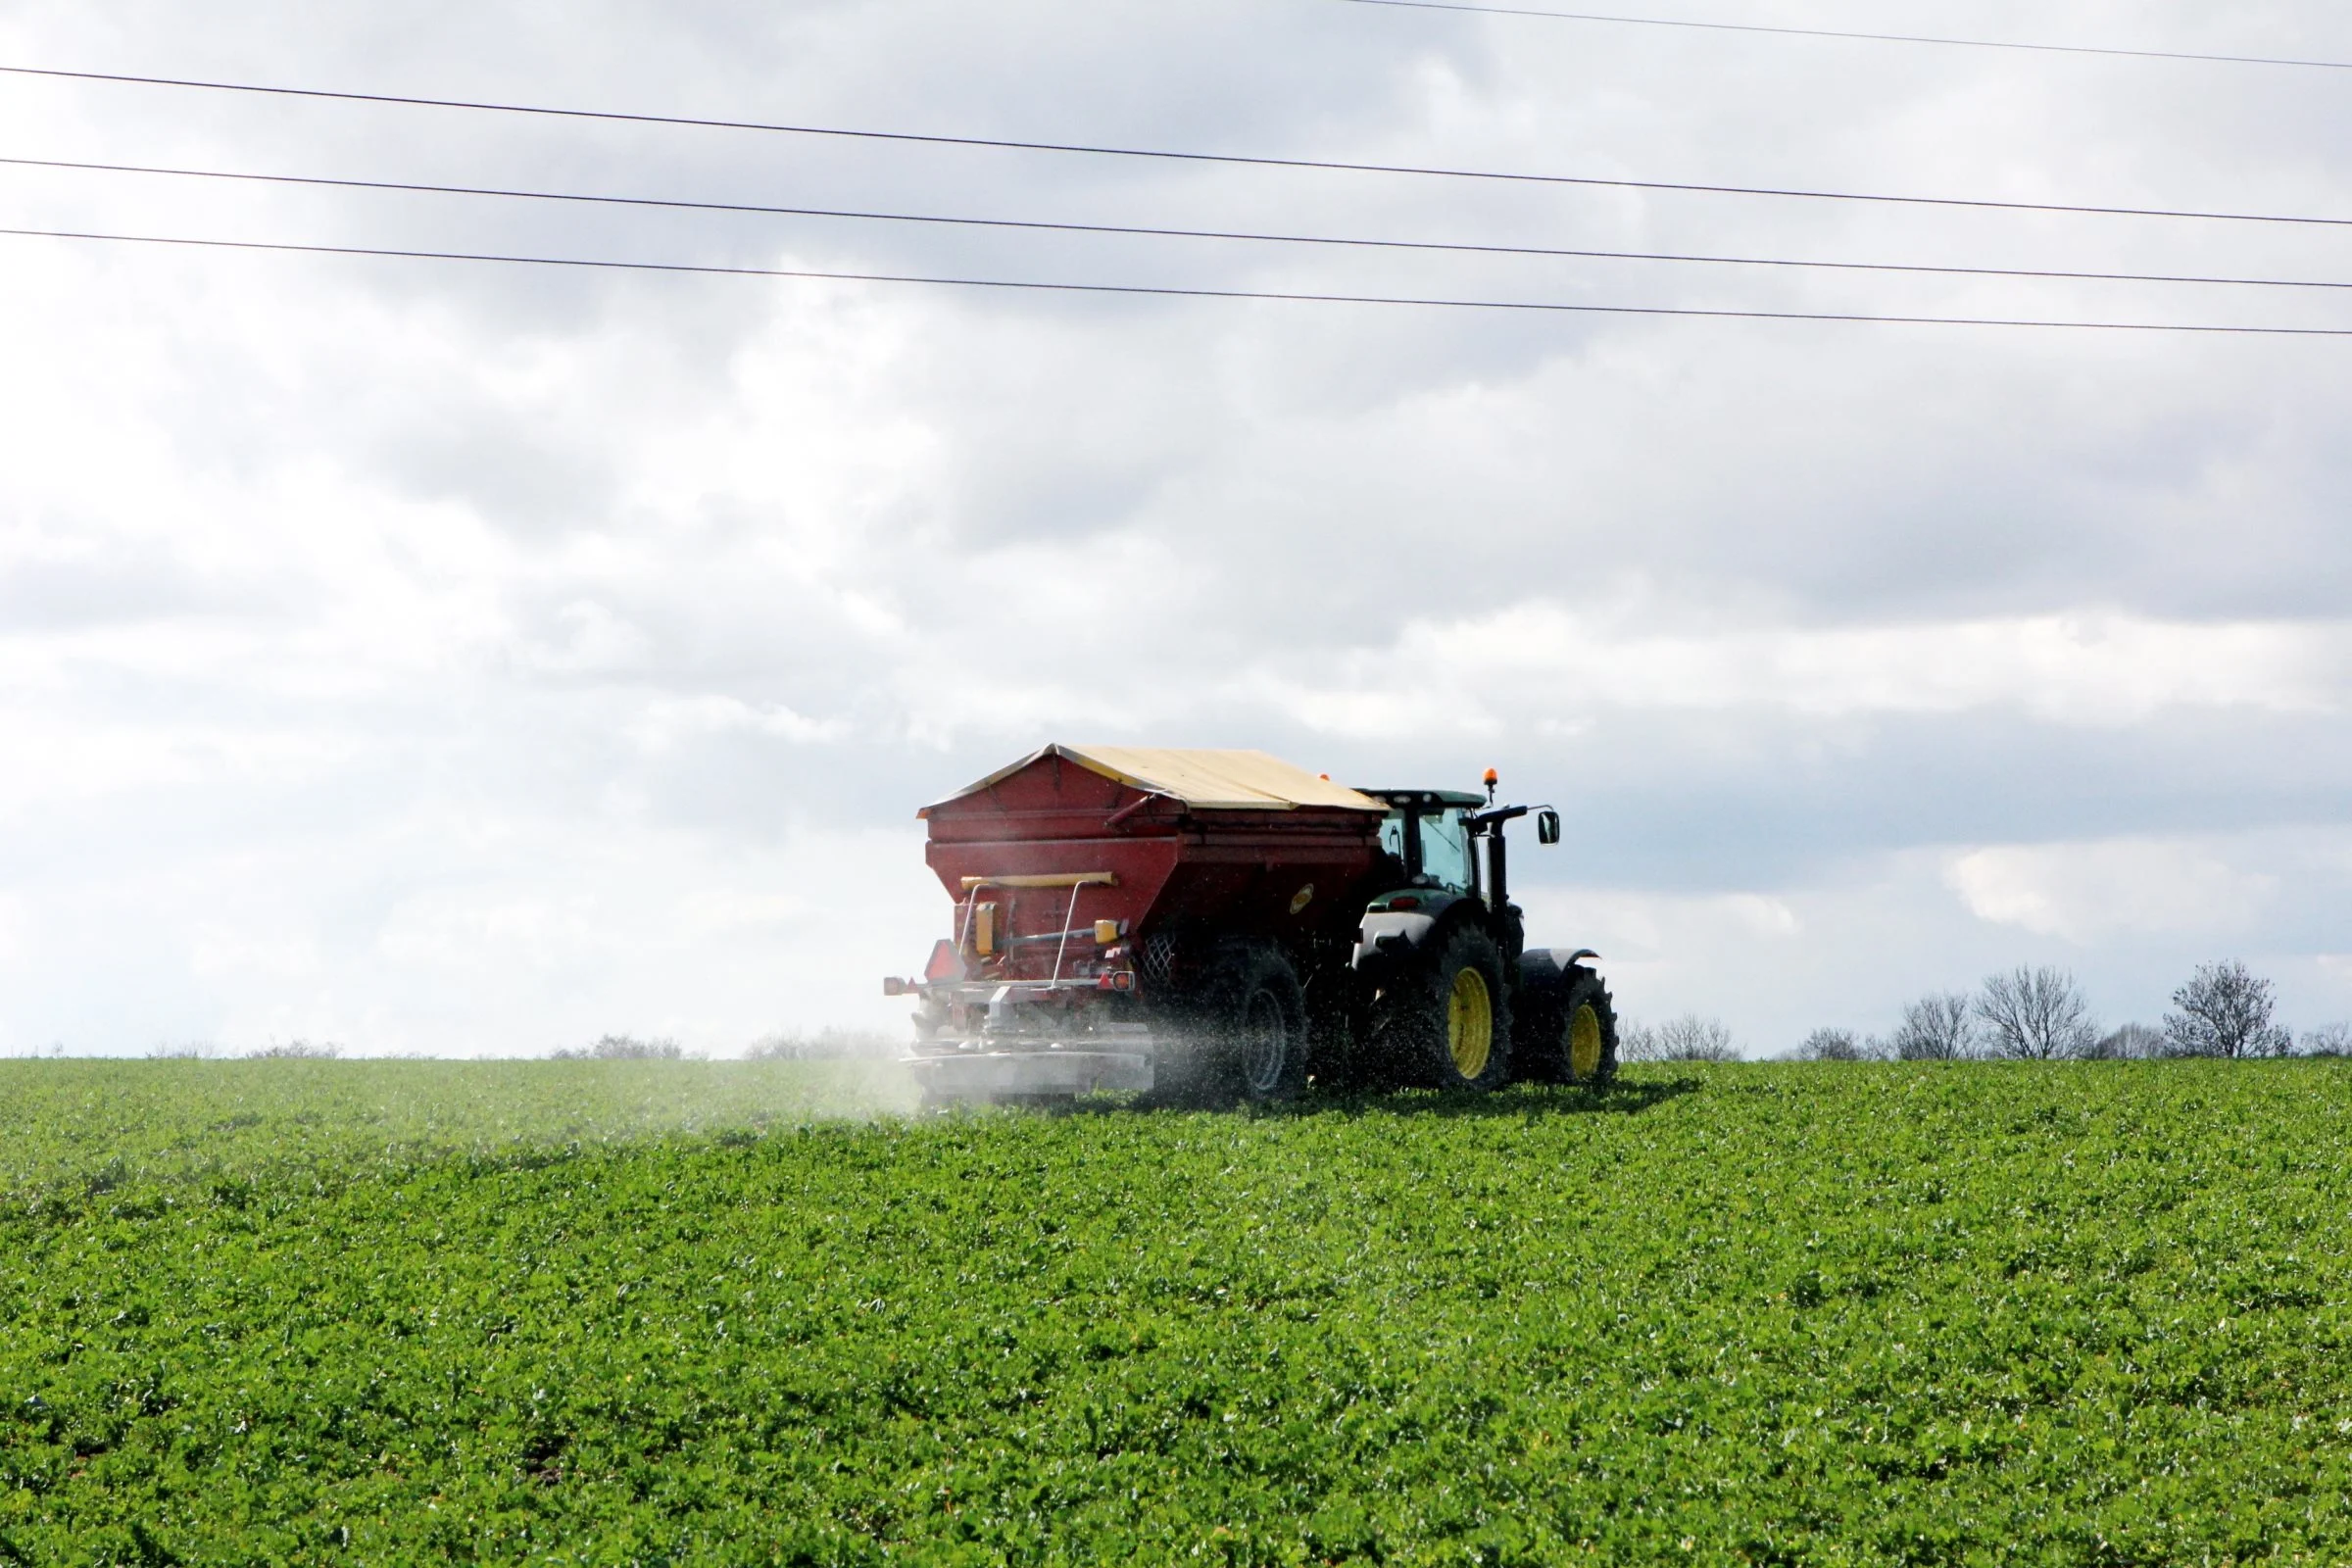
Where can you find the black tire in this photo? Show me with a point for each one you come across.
(1557, 1007)
(1588, 1031)
(1425, 1029)
(1246, 1026)
(1539, 1028)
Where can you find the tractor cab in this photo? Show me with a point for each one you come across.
(1450, 841)
(1427, 834)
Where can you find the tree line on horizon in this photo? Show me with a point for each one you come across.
(2224, 1011)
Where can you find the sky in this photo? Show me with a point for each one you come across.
(463, 658)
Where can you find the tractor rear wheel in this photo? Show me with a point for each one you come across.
(1249, 1019)
(1446, 1023)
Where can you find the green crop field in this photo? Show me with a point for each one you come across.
(677, 1312)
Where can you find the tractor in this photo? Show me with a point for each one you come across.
(1221, 926)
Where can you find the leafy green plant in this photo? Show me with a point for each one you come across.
(618, 1311)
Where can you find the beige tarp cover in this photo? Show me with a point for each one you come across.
(1204, 780)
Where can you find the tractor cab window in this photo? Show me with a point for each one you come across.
(1392, 836)
(1445, 848)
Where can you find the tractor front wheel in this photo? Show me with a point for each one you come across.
(1568, 1026)
(1588, 1030)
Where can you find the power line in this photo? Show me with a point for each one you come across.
(1164, 291)
(1168, 155)
(1863, 37)
(1151, 232)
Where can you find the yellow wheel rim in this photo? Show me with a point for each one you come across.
(1470, 1024)
(1583, 1045)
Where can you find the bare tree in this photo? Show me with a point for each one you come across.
(625, 1048)
(2225, 1010)
(2133, 1041)
(1688, 1038)
(1936, 1028)
(826, 1045)
(297, 1050)
(2035, 1015)
(1835, 1044)
(2329, 1040)
(1691, 1038)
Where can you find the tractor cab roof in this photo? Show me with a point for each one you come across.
(1428, 800)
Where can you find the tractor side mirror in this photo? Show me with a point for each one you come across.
(1547, 826)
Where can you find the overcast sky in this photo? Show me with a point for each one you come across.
(451, 658)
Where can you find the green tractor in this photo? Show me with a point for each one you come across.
(1446, 992)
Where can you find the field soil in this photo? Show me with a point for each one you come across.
(680, 1312)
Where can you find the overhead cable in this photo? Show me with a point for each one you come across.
(1864, 37)
(1169, 155)
(1168, 291)
(1445, 247)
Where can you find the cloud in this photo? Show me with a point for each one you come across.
(592, 640)
(665, 720)
(2084, 891)
(225, 953)
(2103, 670)
(458, 657)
